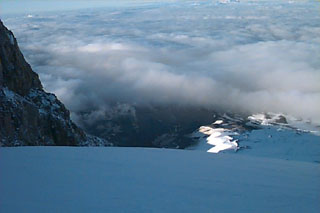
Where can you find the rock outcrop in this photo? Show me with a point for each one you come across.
(28, 114)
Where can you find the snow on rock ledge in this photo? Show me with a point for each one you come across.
(219, 138)
(284, 121)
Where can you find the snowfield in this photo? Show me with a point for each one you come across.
(274, 136)
(69, 179)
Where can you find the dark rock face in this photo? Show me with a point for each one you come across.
(29, 115)
(281, 119)
(16, 73)
(152, 126)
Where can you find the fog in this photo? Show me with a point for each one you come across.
(240, 56)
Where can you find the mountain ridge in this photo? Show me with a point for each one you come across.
(28, 114)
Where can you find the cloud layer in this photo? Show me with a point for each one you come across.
(247, 56)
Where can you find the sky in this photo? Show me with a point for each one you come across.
(253, 56)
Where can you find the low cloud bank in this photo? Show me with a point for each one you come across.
(240, 56)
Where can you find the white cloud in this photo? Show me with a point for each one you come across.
(243, 56)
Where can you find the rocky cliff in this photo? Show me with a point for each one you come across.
(28, 114)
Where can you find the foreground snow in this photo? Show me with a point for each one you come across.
(65, 179)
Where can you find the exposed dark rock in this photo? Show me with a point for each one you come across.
(147, 126)
(16, 73)
(281, 119)
(28, 114)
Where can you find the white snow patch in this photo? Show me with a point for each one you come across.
(218, 122)
(219, 138)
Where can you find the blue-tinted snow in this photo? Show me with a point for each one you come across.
(65, 179)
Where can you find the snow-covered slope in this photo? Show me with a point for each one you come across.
(65, 179)
(271, 135)
(273, 142)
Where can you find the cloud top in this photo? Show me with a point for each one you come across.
(244, 56)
